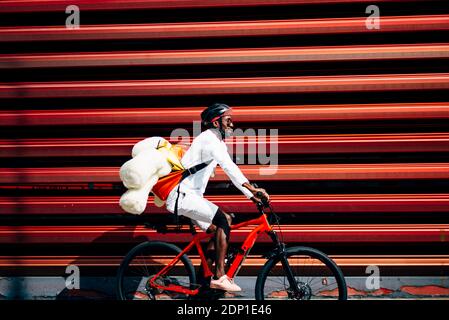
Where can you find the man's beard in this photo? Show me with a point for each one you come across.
(228, 133)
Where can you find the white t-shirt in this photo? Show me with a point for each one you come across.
(208, 146)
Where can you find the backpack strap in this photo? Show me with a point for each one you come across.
(194, 169)
(185, 174)
(176, 207)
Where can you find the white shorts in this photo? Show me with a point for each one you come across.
(191, 205)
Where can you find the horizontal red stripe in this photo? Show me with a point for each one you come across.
(224, 29)
(225, 56)
(60, 5)
(238, 203)
(346, 83)
(311, 233)
(122, 116)
(67, 175)
(250, 261)
(297, 144)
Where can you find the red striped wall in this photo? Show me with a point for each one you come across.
(361, 114)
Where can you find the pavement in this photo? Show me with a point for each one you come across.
(103, 288)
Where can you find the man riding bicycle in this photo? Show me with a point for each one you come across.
(187, 198)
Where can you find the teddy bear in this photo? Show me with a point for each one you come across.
(152, 158)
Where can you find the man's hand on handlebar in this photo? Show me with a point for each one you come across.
(260, 194)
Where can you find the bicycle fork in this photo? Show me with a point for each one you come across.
(282, 253)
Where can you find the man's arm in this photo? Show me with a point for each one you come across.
(221, 155)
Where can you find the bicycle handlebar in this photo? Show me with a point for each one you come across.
(265, 202)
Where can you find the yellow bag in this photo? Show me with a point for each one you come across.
(173, 154)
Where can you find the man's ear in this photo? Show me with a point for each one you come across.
(216, 124)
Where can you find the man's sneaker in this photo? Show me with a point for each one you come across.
(225, 283)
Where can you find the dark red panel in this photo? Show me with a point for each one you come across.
(70, 175)
(224, 29)
(60, 5)
(296, 233)
(238, 203)
(226, 56)
(179, 87)
(298, 144)
(129, 116)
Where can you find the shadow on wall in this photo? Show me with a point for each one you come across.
(17, 286)
(100, 287)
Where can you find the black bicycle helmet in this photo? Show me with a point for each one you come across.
(214, 112)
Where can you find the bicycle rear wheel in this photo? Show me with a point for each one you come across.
(146, 260)
(316, 275)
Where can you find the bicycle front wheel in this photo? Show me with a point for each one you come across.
(146, 260)
(316, 276)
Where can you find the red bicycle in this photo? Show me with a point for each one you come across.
(157, 270)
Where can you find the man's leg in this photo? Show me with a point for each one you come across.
(223, 222)
(210, 254)
(210, 259)
(202, 210)
(209, 251)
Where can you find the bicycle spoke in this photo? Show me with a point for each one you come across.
(280, 282)
(145, 265)
(147, 260)
(314, 279)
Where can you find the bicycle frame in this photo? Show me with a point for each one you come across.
(262, 226)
